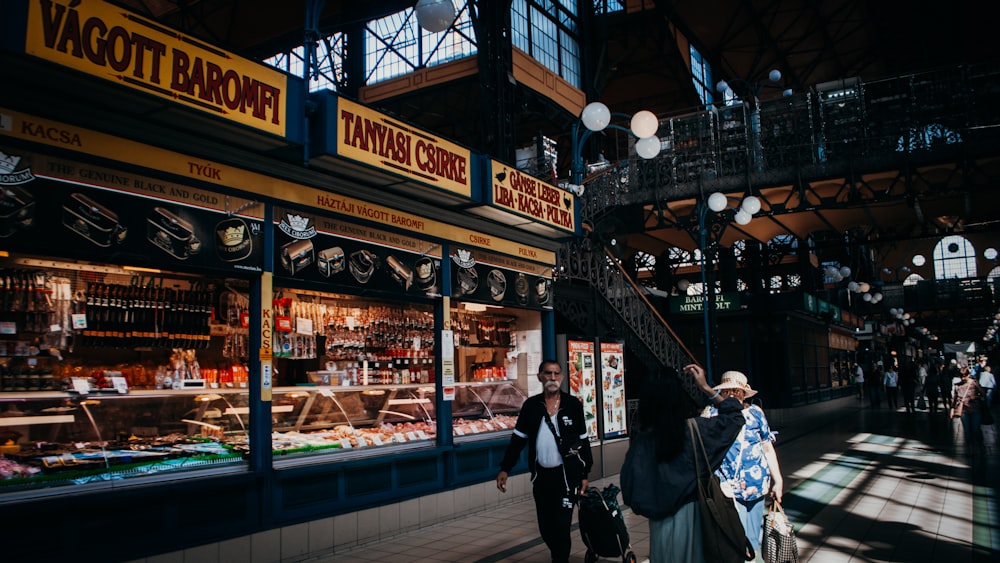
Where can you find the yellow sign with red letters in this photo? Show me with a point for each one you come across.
(528, 196)
(370, 137)
(108, 42)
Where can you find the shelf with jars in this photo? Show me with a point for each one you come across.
(485, 341)
(350, 341)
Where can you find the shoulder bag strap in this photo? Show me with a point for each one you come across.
(966, 392)
(548, 422)
(696, 434)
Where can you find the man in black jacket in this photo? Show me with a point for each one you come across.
(556, 480)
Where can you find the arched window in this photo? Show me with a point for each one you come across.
(954, 257)
(992, 279)
(912, 279)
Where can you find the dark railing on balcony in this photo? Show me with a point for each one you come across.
(834, 128)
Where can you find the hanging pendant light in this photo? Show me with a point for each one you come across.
(435, 15)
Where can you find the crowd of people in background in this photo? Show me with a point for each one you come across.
(959, 388)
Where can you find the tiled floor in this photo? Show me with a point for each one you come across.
(862, 484)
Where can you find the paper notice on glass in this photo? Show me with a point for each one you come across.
(303, 326)
(447, 345)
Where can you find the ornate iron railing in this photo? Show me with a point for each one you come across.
(827, 131)
(621, 302)
(838, 126)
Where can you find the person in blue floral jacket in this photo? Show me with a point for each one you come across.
(750, 471)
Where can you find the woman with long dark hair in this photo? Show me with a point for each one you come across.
(664, 411)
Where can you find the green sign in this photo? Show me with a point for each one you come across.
(727, 301)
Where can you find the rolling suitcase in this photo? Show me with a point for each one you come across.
(602, 525)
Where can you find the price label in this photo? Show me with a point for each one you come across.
(399, 438)
(120, 384)
(345, 443)
(79, 320)
(421, 435)
(411, 436)
(376, 439)
(81, 385)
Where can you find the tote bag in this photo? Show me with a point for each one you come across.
(779, 537)
(723, 538)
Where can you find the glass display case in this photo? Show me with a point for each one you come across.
(485, 408)
(334, 419)
(107, 373)
(52, 438)
(317, 419)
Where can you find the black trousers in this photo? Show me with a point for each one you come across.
(554, 510)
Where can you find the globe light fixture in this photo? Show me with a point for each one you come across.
(717, 202)
(644, 124)
(597, 117)
(751, 204)
(435, 15)
(647, 147)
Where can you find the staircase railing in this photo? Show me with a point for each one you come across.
(591, 263)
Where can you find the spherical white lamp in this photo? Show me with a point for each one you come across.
(717, 201)
(751, 204)
(742, 217)
(774, 75)
(866, 297)
(648, 147)
(845, 271)
(864, 287)
(435, 15)
(683, 284)
(644, 124)
(596, 116)
(853, 287)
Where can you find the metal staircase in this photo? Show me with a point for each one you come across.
(618, 299)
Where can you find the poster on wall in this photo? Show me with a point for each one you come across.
(613, 388)
(94, 213)
(582, 380)
(328, 250)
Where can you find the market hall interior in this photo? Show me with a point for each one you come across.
(299, 265)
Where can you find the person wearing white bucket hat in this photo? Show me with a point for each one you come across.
(750, 471)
